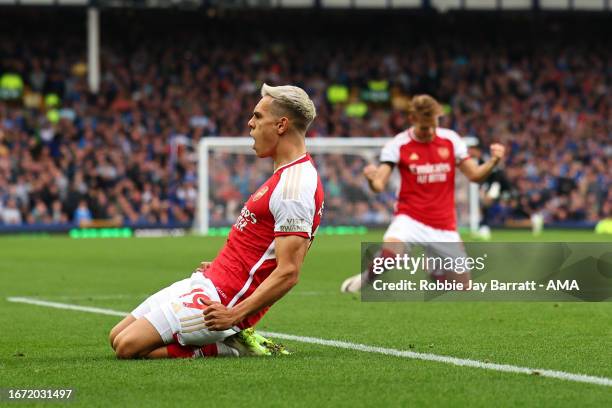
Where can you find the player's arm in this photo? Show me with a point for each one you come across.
(290, 252)
(479, 173)
(378, 177)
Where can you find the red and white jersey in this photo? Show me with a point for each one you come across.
(290, 202)
(427, 170)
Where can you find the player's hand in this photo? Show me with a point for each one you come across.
(498, 151)
(203, 266)
(217, 317)
(370, 171)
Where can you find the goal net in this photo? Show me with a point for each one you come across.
(229, 172)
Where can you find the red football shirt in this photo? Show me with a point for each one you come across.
(427, 170)
(290, 202)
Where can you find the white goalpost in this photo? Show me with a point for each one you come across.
(224, 161)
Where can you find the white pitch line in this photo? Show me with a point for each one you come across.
(461, 362)
(67, 306)
(53, 298)
(561, 375)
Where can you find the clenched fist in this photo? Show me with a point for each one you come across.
(498, 151)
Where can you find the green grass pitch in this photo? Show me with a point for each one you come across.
(51, 348)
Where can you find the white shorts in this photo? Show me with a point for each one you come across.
(443, 243)
(176, 312)
(407, 229)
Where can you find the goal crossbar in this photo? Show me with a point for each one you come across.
(244, 144)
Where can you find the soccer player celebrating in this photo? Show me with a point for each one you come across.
(426, 156)
(211, 312)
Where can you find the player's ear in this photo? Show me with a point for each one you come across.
(282, 125)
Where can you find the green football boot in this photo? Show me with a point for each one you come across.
(276, 349)
(250, 343)
(246, 344)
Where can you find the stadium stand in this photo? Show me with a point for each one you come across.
(539, 83)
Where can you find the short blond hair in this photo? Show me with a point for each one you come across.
(425, 108)
(292, 101)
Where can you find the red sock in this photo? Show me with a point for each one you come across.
(384, 253)
(210, 350)
(175, 350)
(439, 278)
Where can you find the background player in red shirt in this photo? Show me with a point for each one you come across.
(426, 156)
(211, 312)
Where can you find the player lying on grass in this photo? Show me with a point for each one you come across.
(426, 156)
(211, 312)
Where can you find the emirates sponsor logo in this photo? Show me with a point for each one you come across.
(429, 168)
(260, 193)
(431, 173)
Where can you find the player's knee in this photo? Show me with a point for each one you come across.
(125, 353)
(112, 335)
(115, 340)
(126, 348)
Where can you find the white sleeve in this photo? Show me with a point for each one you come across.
(292, 203)
(459, 146)
(461, 150)
(390, 152)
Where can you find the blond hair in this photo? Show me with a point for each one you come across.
(292, 101)
(425, 108)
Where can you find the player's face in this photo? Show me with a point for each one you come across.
(424, 129)
(263, 128)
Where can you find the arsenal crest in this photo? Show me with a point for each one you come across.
(260, 193)
(443, 152)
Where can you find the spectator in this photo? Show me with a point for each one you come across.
(127, 152)
(82, 215)
(10, 215)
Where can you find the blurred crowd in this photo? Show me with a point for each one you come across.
(348, 199)
(127, 153)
